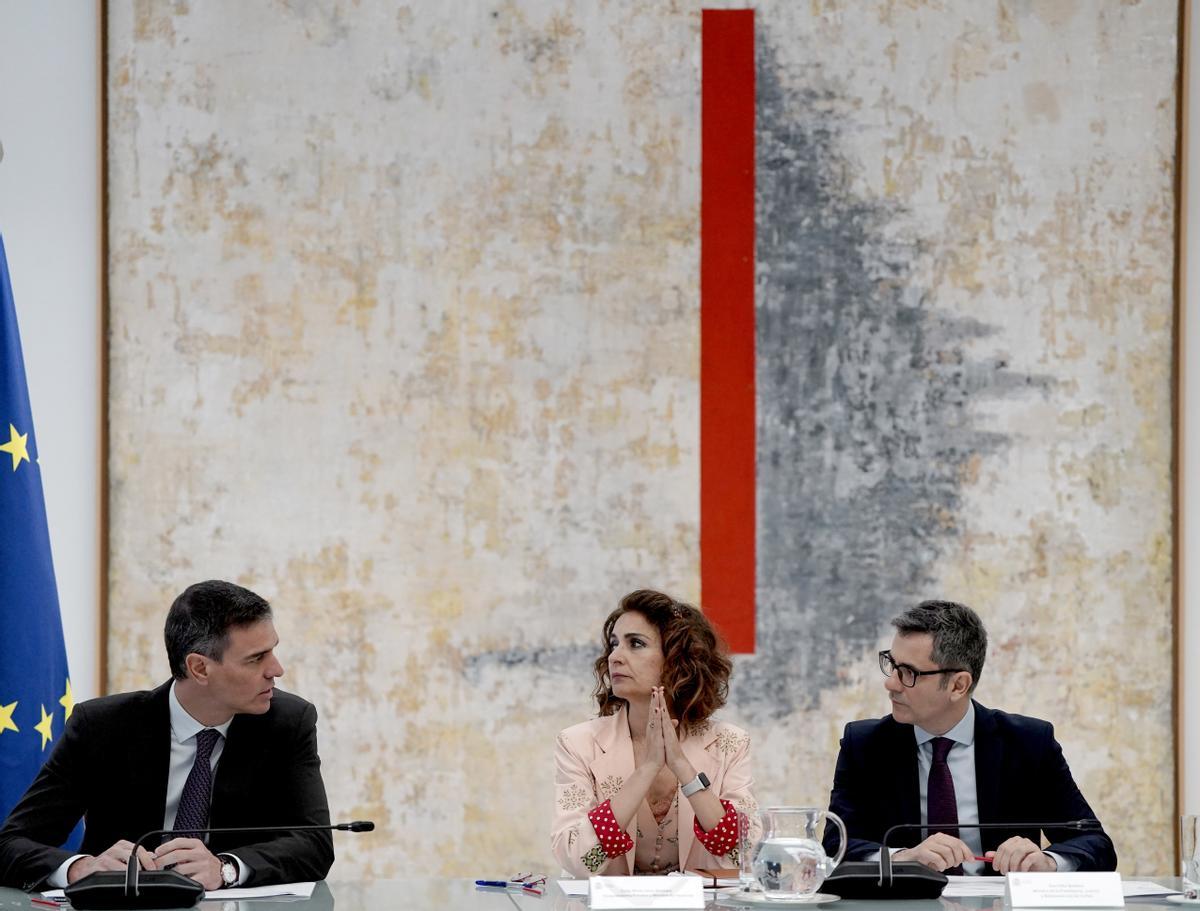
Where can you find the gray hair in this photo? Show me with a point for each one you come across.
(959, 639)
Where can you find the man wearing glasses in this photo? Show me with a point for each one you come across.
(942, 760)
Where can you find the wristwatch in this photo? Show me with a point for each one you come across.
(699, 783)
(229, 871)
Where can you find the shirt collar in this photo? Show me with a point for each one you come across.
(963, 732)
(184, 726)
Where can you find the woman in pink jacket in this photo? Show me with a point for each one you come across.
(654, 783)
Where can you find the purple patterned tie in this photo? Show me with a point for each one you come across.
(942, 808)
(197, 790)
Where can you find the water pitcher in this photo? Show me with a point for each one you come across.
(790, 863)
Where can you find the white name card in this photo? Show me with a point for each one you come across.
(620, 892)
(1064, 890)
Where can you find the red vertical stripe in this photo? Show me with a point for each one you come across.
(727, 409)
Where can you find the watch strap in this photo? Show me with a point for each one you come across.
(699, 783)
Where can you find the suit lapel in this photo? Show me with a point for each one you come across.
(239, 755)
(989, 761)
(695, 748)
(614, 753)
(613, 761)
(152, 758)
(906, 788)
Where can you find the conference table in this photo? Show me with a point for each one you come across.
(440, 894)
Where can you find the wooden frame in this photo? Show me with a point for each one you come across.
(102, 606)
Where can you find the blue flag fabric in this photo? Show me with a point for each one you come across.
(35, 686)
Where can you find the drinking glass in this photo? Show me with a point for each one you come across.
(1189, 852)
(749, 835)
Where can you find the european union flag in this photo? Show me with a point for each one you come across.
(35, 686)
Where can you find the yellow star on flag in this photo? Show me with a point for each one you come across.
(68, 701)
(16, 446)
(6, 722)
(43, 727)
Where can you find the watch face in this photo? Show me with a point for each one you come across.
(703, 779)
(228, 874)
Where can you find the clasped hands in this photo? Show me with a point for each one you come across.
(190, 856)
(661, 745)
(1016, 855)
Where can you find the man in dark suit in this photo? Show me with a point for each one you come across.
(940, 759)
(215, 746)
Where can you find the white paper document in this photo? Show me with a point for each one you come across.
(574, 887)
(291, 890)
(615, 893)
(709, 882)
(1133, 887)
(974, 886)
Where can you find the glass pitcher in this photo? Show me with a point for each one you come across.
(790, 863)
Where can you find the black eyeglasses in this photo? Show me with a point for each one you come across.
(906, 672)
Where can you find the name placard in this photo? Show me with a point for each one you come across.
(1064, 890)
(620, 892)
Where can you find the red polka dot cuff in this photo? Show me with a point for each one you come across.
(721, 838)
(614, 841)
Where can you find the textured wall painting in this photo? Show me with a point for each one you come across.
(406, 333)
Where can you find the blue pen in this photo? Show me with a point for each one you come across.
(506, 883)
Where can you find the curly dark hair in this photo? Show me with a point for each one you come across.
(696, 665)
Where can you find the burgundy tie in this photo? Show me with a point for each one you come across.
(942, 808)
(197, 790)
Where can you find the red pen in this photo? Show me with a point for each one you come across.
(986, 860)
(44, 901)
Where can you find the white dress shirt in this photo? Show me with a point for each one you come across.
(184, 729)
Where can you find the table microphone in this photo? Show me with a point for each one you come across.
(908, 879)
(106, 890)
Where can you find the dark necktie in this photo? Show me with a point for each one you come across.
(942, 808)
(197, 790)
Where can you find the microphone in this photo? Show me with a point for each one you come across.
(908, 879)
(108, 890)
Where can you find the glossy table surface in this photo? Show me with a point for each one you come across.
(433, 894)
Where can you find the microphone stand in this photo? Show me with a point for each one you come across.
(908, 879)
(885, 856)
(108, 890)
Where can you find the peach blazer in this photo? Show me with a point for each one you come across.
(592, 761)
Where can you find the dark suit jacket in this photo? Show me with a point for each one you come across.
(110, 767)
(1020, 776)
